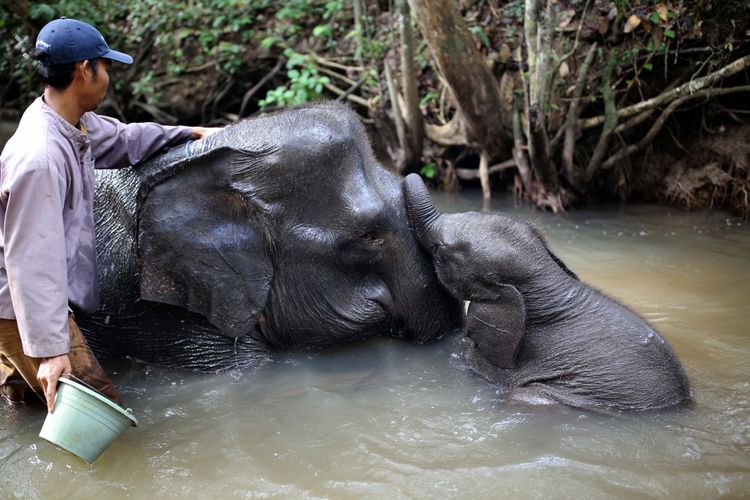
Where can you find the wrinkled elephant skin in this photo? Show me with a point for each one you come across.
(278, 232)
(534, 327)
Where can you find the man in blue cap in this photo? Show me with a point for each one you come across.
(47, 244)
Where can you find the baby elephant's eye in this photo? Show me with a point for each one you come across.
(437, 253)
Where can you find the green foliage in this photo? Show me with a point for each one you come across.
(514, 8)
(323, 30)
(332, 8)
(428, 171)
(294, 9)
(42, 12)
(269, 41)
(181, 35)
(428, 97)
(305, 83)
(144, 87)
(371, 48)
(186, 35)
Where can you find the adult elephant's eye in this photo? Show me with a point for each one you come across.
(364, 249)
(372, 238)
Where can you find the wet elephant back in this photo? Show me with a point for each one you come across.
(614, 359)
(115, 218)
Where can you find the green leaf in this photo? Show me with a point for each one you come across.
(648, 66)
(182, 33)
(428, 170)
(268, 42)
(323, 30)
(430, 96)
(654, 17)
(669, 33)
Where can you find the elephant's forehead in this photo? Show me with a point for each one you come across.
(338, 221)
(351, 196)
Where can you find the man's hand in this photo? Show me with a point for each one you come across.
(201, 132)
(49, 371)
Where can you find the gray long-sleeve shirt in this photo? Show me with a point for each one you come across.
(47, 245)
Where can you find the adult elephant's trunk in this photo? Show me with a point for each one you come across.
(422, 212)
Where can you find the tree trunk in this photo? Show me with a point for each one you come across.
(518, 150)
(538, 31)
(412, 115)
(399, 159)
(610, 123)
(358, 27)
(571, 124)
(465, 72)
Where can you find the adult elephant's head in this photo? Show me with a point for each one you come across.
(286, 225)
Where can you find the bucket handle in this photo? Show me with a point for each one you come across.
(88, 386)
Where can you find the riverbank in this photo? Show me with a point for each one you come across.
(565, 103)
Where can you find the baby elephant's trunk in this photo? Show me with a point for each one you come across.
(422, 212)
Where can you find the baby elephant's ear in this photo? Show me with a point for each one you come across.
(200, 246)
(497, 327)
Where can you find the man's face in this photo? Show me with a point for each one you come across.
(95, 83)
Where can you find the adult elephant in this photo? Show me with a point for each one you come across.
(277, 232)
(535, 328)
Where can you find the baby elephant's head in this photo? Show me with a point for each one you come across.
(476, 254)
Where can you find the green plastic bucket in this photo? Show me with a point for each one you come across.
(84, 422)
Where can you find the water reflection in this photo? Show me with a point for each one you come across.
(392, 419)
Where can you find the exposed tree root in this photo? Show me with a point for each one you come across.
(715, 174)
(684, 90)
(659, 123)
(448, 134)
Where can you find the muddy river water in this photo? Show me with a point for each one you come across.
(386, 419)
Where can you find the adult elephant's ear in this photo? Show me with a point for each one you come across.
(200, 243)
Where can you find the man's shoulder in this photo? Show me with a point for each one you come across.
(95, 123)
(35, 144)
(28, 144)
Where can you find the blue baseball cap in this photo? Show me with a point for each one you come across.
(69, 40)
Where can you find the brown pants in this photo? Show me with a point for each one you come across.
(18, 371)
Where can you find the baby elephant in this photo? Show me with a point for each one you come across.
(536, 328)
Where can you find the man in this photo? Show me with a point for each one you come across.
(47, 245)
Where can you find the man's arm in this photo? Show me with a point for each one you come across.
(36, 264)
(117, 145)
